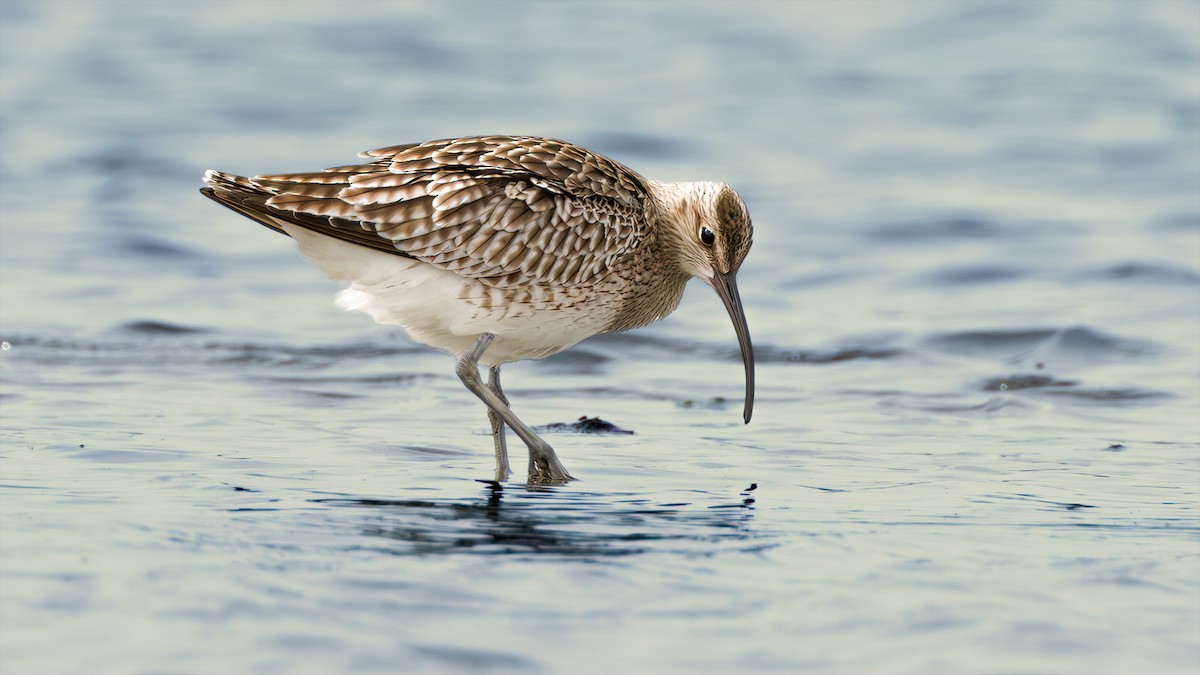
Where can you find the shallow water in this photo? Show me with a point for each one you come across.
(974, 293)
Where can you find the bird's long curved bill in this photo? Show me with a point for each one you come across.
(726, 286)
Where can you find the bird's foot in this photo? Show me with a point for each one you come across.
(544, 467)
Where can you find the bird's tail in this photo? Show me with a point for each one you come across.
(219, 180)
(240, 194)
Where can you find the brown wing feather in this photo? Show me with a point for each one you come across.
(502, 209)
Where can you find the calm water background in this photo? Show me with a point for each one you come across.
(975, 293)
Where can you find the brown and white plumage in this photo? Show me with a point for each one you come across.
(501, 210)
(534, 241)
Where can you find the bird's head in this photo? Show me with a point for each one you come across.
(712, 235)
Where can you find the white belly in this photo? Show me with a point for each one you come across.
(449, 312)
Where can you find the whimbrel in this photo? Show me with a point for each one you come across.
(503, 248)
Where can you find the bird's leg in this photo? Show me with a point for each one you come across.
(544, 466)
(502, 470)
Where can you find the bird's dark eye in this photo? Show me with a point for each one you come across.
(707, 237)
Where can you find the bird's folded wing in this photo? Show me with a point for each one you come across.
(501, 209)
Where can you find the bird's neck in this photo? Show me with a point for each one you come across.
(652, 279)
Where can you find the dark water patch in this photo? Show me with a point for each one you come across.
(353, 351)
(855, 82)
(1056, 505)
(1181, 222)
(402, 379)
(111, 456)
(426, 450)
(1141, 157)
(650, 393)
(1125, 581)
(14, 13)
(142, 247)
(967, 23)
(276, 114)
(967, 276)
(575, 361)
(822, 279)
(838, 355)
(627, 346)
(475, 660)
(1024, 381)
(15, 342)
(1158, 272)
(152, 327)
(43, 350)
(161, 343)
(105, 380)
(1004, 344)
(654, 348)
(998, 406)
(508, 522)
(130, 160)
(328, 395)
(650, 346)
(417, 51)
(624, 346)
(314, 356)
(1094, 345)
(238, 488)
(584, 425)
(1045, 345)
(629, 145)
(1116, 396)
(964, 227)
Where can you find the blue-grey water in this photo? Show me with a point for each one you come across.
(974, 290)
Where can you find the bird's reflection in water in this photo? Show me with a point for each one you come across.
(552, 521)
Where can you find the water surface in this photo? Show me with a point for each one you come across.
(974, 291)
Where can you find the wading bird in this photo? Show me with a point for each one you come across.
(503, 248)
